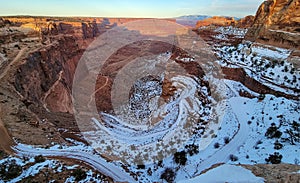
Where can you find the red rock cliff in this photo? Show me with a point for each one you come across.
(277, 22)
(216, 20)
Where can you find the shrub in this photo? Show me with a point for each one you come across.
(273, 132)
(226, 140)
(277, 145)
(233, 157)
(39, 159)
(261, 96)
(160, 163)
(9, 170)
(274, 158)
(293, 134)
(180, 157)
(140, 166)
(79, 174)
(216, 145)
(192, 149)
(168, 175)
(149, 171)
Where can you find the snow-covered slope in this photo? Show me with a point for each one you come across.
(226, 173)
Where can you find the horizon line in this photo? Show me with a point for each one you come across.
(87, 16)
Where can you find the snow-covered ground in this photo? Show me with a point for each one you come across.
(224, 32)
(33, 168)
(249, 144)
(177, 116)
(268, 65)
(244, 141)
(226, 173)
(79, 152)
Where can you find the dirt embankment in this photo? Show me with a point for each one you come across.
(276, 173)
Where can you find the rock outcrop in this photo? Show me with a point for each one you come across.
(276, 173)
(2, 22)
(277, 22)
(245, 22)
(89, 30)
(216, 20)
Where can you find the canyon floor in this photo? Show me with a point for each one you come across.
(181, 115)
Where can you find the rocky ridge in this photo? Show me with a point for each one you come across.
(277, 22)
(245, 22)
(216, 20)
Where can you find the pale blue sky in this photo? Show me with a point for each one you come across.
(129, 8)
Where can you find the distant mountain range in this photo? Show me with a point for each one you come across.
(193, 17)
(190, 20)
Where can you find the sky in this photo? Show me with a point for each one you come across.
(129, 8)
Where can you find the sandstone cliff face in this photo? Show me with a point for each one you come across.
(245, 22)
(216, 20)
(277, 22)
(46, 76)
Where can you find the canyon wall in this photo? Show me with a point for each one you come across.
(277, 22)
(245, 22)
(46, 76)
(216, 20)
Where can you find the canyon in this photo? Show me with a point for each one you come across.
(225, 78)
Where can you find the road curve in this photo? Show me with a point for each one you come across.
(222, 155)
(109, 169)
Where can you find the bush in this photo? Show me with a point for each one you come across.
(168, 175)
(79, 174)
(140, 166)
(277, 145)
(233, 157)
(274, 158)
(261, 96)
(9, 170)
(216, 145)
(180, 157)
(192, 149)
(39, 159)
(273, 132)
(293, 133)
(226, 140)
